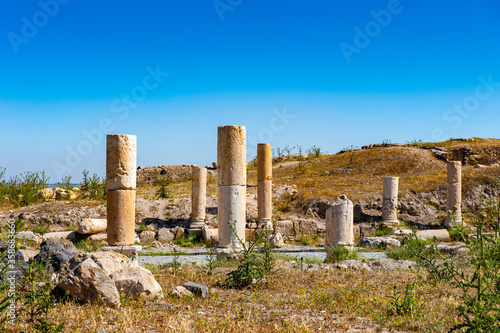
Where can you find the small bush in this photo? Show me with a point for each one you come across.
(341, 253)
(163, 191)
(93, 188)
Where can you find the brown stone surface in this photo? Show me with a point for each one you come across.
(231, 155)
(121, 160)
(121, 217)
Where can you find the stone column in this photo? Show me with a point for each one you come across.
(264, 185)
(231, 190)
(339, 224)
(121, 155)
(198, 199)
(454, 191)
(390, 202)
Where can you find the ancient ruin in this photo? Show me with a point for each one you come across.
(454, 192)
(390, 202)
(231, 190)
(339, 224)
(264, 185)
(198, 199)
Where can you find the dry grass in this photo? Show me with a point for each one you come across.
(293, 301)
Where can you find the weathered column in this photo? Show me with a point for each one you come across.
(390, 202)
(231, 190)
(121, 155)
(198, 199)
(264, 185)
(454, 191)
(339, 224)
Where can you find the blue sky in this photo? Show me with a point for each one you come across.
(324, 73)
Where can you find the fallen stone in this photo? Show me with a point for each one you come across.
(87, 282)
(179, 233)
(110, 261)
(278, 241)
(56, 252)
(147, 236)
(17, 270)
(441, 234)
(165, 235)
(197, 289)
(136, 282)
(181, 291)
(29, 236)
(99, 237)
(285, 228)
(61, 235)
(92, 226)
(210, 234)
(450, 249)
(403, 232)
(376, 242)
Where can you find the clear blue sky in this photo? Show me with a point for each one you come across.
(324, 73)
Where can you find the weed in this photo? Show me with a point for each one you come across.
(25, 189)
(403, 304)
(188, 241)
(163, 192)
(92, 188)
(314, 151)
(288, 150)
(340, 253)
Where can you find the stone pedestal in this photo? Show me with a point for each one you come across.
(121, 161)
(454, 191)
(339, 224)
(390, 202)
(231, 190)
(264, 184)
(198, 199)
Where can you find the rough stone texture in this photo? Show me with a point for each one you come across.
(130, 250)
(284, 227)
(147, 236)
(29, 236)
(121, 217)
(56, 252)
(210, 233)
(451, 249)
(461, 155)
(377, 242)
(165, 235)
(87, 282)
(264, 183)
(454, 191)
(278, 241)
(121, 160)
(441, 234)
(339, 223)
(136, 282)
(403, 232)
(60, 235)
(181, 291)
(19, 267)
(197, 289)
(379, 264)
(231, 156)
(99, 237)
(390, 201)
(198, 197)
(231, 212)
(92, 226)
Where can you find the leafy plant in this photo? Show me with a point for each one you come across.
(66, 185)
(288, 150)
(93, 188)
(314, 151)
(25, 189)
(163, 182)
(403, 304)
(340, 253)
(188, 241)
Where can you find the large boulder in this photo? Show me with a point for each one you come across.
(136, 282)
(14, 269)
(86, 281)
(285, 228)
(103, 276)
(56, 252)
(147, 236)
(165, 235)
(92, 226)
(439, 234)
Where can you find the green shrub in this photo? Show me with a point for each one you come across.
(23, 190)
(341, 253)
(163, 182)
(93, 188)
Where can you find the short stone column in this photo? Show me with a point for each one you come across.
(198, 199)
(454, 191)
(121, 156)
(339, 224)
(390, 202)
(264, 185)
(231, 190)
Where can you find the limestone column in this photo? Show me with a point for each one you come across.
(264, 184)
(231, 190)
(454, 191)
(198, 197)
(121, 160)
(390, 202)
(339, 224)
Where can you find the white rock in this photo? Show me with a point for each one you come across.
(92, 226)
(181, 291)
(136, 282)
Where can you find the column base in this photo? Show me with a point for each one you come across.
(195, 231)
(390, 223)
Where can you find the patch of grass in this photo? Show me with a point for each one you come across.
(188, 241)
(341, 253)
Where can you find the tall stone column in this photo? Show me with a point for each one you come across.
(454, 191)
(390, 202)
(231, 190)
(121, 160)
(198, 199)
(339, 224)
(264, 185)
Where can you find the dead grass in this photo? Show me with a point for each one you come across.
(293, 301)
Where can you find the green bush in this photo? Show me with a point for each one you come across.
(92, 188)
(23, 190)
(341, 253)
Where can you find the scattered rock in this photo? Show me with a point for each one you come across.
(165, 235)
(285, 227)
(136, 282)
(29, 236)
(441, 234)
(99, 237)
(61, 235)
(379, 242)
(147, 236)
(197, 289)
(181, 291)
(403, 232)
(278, 241)
(451, 249)
(56, 252)
(92, 226)
(210, 234)
(179, 233)
(17, 269)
